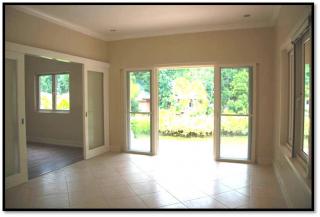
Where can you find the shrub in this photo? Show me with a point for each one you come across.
(171, 124)
(140, 125)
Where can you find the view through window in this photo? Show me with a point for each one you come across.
(54, 92)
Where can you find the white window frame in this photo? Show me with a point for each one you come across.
(54, 92)
(303, 35)
(290, 54)
(152, 113)
(251, 116)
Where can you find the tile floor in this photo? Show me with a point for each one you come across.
(120, 180)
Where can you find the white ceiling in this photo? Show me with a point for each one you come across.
(135, 21)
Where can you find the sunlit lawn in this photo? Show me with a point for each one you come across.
(231, 146)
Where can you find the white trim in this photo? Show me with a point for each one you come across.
(10, 46)
(105, 37)
(88, 64)
(89, 153)
(217, 111)
(22, 175)
(283, 187)
(153, 108)
(52, 141)
(96, 151)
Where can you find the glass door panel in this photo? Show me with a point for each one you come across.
(139, 117)
(95, 110)
(235, 113)
(306, 96)
(11, 119)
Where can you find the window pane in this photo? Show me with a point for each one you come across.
(95, 110)
(140, 132)
(234, 138)
(62, 92)
(45, 95)
(139, 91)
(235, 90)
(307, 73)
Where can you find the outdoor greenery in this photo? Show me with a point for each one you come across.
(62, 91)
(186, 101)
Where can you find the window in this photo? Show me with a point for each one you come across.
(54, 92)
(306, 96)
(300, 98)
(291, 97)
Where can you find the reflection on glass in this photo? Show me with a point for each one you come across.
(234, 137)
(62, 92)
(140, 132)
(140, 91)
(95, 110)
(11, 138)
(307, 72)
(45, 89)
(234, 90)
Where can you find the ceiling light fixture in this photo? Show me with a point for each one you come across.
(112, 30)
(246, 15)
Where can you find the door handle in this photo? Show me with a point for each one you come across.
(22, 121)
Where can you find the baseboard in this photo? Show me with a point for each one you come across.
(282, 186)
(69, 143)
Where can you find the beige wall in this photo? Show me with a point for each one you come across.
(29, 30)
(231, 47)
(294, 185)
(54, 128)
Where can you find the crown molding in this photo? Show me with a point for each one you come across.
(60, 22)
(103, 37)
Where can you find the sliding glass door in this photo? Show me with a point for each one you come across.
(234, 114)
(139, 111)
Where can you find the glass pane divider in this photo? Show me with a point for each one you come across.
(147, 113)
(245, 115)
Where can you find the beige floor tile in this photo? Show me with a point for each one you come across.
(145, 187)
(174, 206)
(128, 202)
(205, 202)
(51, 201)
(136, 177)
(47, 188)
(184, 194)
(115, 180)
(158, 199)
(117, 191)
(232, 199)
(112, 180)
(87, 199)
(235, 183)
(81, 185)
(18, 197)
(213, 187)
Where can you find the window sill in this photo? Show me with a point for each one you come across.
(298, 166)
(53, 112)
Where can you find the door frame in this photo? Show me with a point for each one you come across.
(252, 116)
(153, 110)
(154, 93)
(89, 153)
(22, 175)
(88, 64)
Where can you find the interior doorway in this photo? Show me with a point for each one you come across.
(54, 113)
(186, 109)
